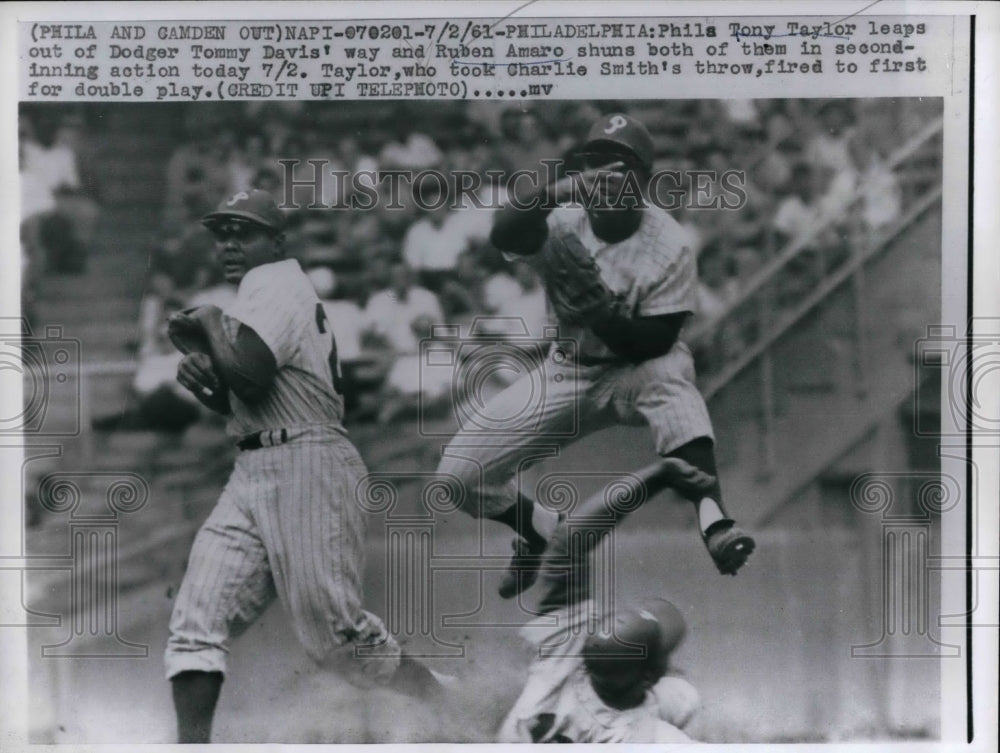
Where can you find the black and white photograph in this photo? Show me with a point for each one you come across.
(467, 411)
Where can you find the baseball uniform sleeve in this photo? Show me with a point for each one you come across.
(268, 303)
(670, 286)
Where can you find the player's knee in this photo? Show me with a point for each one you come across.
(460, 472)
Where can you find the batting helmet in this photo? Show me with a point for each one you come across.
(619, 134)
(626, 660)
(254, 206)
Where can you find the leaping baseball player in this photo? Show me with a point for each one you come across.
(621, 284)
(604, 678)
(287, 524)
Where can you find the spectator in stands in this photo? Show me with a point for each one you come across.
(798, 211)
(246, 159)
(267, 178)
(77, 201)
(409, 149)
(59, 216)
(517, 295)
(472, 212)
(801, 217)
(830, 146)
(879, 189)
(401, 315)
(434, 242)
(526, 141)
(361, 370)
(403, 312)
(359, 163)
(461, 297)
(156, 402)
(196, 175)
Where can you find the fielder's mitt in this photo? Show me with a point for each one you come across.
(573, 282)
(186, 333)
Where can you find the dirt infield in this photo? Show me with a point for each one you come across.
(770, 650)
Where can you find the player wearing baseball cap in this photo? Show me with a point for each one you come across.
(621, 283)
(604, 678)
(287, 525)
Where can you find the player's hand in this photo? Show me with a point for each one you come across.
(195, 374)
(185, 331)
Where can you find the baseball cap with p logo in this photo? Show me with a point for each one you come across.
(617, 132)
(254, 206)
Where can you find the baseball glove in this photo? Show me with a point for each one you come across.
(573, 282)
(186, 333)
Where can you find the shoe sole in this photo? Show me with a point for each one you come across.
(735, 555)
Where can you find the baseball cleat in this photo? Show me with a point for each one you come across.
(522, 572)
(728, 545)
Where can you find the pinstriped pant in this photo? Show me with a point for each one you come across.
(559, 403)
(288, 526)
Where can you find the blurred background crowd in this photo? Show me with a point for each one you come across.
(387, 274)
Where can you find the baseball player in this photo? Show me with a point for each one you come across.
(621, 285)
(603, 678)
(287, 524)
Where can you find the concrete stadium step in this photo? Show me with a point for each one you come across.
(99, 308)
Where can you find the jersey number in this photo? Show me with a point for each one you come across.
(321, 322)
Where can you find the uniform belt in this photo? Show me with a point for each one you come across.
(260, 439)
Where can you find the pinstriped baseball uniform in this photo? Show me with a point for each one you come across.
(287, 524)
(559, 691)
(654, 273)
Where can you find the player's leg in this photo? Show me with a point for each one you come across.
(195, 695)
(486, 459)
(226, 587)
(663, 393)
(726, 542)
(314, 529)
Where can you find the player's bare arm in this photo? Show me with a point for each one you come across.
(245, 364)
(520, 227)
(638, 340)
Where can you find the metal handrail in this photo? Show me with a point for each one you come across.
(771, 269)
(830, 283)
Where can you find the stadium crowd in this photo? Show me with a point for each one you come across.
(387, 273)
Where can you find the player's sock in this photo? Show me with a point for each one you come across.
(520, 516)
(195, 695)
(700, 453)
(709, 513)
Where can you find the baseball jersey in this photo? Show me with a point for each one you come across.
(559, 704)
(279, 303)
(653, 270)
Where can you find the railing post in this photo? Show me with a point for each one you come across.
(86, 426)
(767, 409)
(859, 240)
